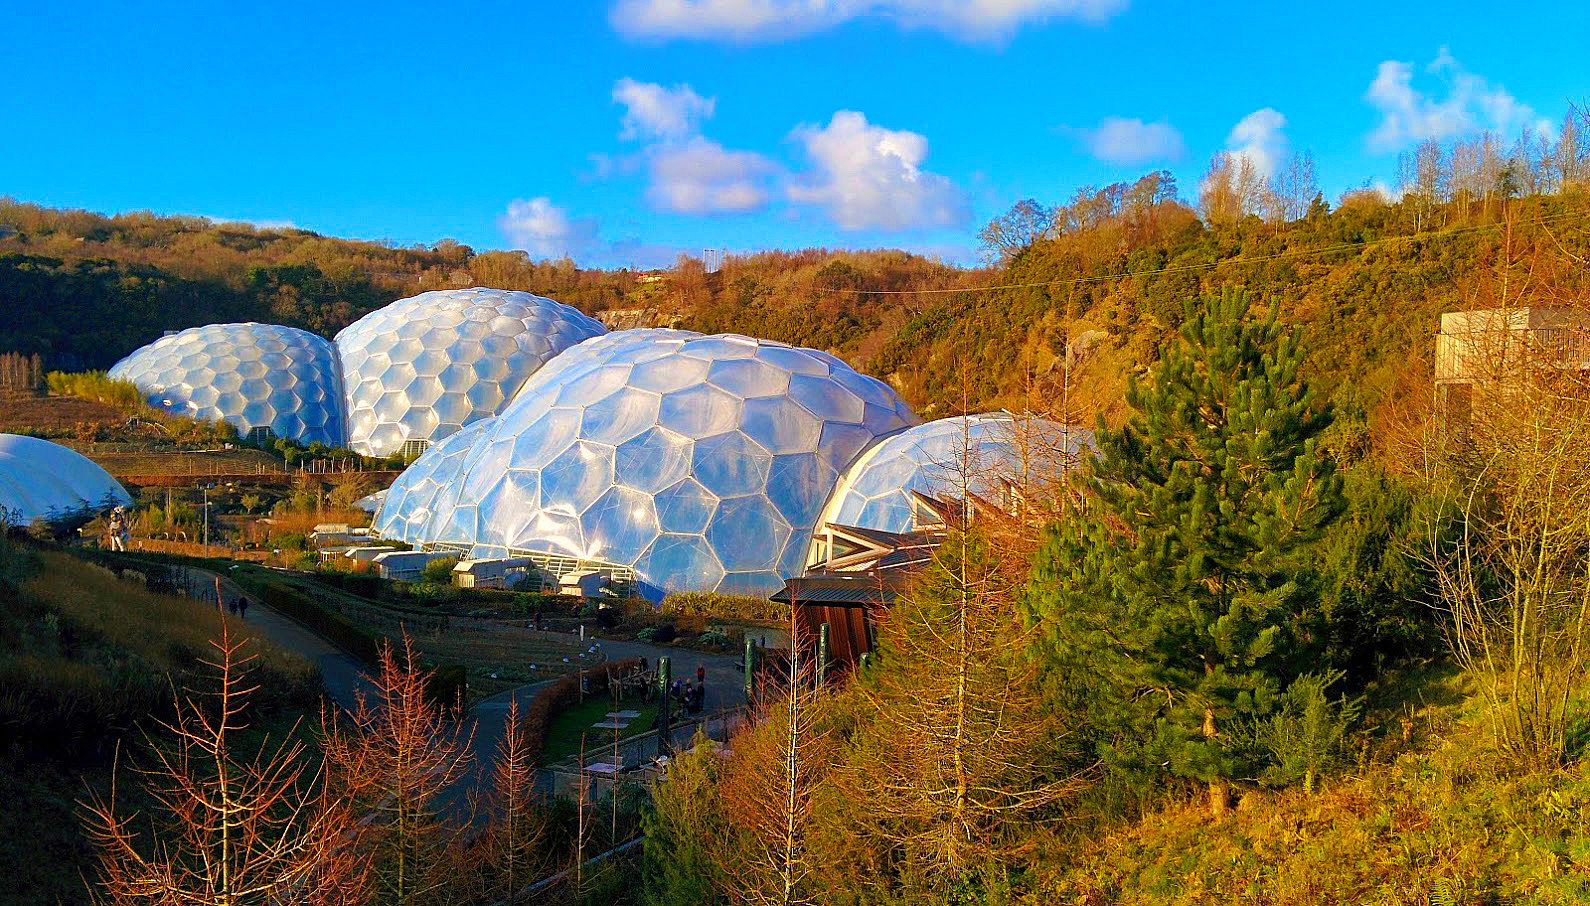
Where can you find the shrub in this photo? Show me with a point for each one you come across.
(609, 617)
(663, 633)
(440, 571)
(712, 604)
(714, 638)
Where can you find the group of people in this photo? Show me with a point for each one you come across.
(692, 695)
(238, 607)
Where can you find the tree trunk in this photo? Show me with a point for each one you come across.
(1219, 790)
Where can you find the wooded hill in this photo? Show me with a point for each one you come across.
(1367, 280)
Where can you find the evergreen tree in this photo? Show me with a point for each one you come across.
(1179, 602)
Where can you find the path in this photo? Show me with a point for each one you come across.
(342, 676)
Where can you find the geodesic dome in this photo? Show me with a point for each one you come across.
(423, 367)
(406, 510)
(934, 458)
(43, 480)
(251, 375)
(699, 461)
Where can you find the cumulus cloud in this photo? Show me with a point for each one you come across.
(1469, 103)
(1258, 138)
(687, 173)
(750, 21)
(545, 230)
(700, 176)
(865, 176)
(1120, 140)
(652, 111)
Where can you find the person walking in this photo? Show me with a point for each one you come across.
(242, 608)
(231, 607)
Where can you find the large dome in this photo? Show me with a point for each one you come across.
(423, 367)
(700, 461)
(251, 375)
(932, 459)
(42, 480)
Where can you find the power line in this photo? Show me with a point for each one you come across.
(1183, 268)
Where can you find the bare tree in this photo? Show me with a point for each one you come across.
(769, 786)
(1007, 235)
(1510, 462)
(229, 832)
(394, 761)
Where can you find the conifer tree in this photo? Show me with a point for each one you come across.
(1179, 602)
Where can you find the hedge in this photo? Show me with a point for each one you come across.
(735, 607)
(445, 685)
(564, 693)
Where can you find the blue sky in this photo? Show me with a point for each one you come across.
(626, 131)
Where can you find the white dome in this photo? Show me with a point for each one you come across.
(250, 375)
(699, 461)
(934, 459)
(423, 367)
(43, 480)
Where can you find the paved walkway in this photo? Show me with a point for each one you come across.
(341, 674)
(484, 723)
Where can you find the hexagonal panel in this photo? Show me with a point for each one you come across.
(249, 375)
(700, 462)
(480, 345)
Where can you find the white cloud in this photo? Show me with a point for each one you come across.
(700, 176)
(749, 21)
(545, 230)
(1119, 140)
(1470, 103)
(652, 111)
(1258, 138)
(866, 176)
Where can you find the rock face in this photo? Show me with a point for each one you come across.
(422, 368)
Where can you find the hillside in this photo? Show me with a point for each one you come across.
(1368, 281)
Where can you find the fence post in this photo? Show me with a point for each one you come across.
(822, 654)
(750, 672)
(665, 704)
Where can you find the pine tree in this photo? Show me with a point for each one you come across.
(1179, 602)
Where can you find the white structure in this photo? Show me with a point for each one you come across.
(40, 480)
(699, 462)
(583, 584)
(330, 534)
(936, 458)
(366, 553)
(258, 377)
(505, 572)
(407, 566)
(421, 368)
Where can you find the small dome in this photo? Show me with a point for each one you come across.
(253, 376)
(932, 459)
(43, 480)
(423, 367)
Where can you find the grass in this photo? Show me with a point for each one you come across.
(506, 653)
(1430, 813)
(86, 660)
(563, 736)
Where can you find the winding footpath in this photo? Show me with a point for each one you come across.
(345, 678)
